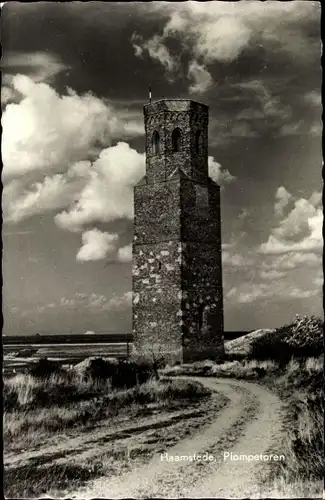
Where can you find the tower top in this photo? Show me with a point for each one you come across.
(176, 138)
(174, 105)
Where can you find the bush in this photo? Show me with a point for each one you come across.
(122, 374)
(274, 349)
(305, 333)
(129, 373)
(44, 368)
(301, 339)
(100, 369)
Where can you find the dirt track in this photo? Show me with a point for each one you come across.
(250, 424)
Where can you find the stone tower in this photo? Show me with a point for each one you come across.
(177, 275)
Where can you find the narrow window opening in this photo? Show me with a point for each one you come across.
(155, 143)
(159, 266)
(198, 136)
(176, 140)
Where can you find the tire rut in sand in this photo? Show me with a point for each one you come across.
(165, 478)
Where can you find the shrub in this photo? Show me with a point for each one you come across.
(100, 369)
(272, 348)
(129, 373)
(306, 333)
(122, 374)
(261, 372)
(301, 339)
(44, 368)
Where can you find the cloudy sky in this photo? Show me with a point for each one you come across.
(75, 78)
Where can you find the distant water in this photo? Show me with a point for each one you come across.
(19, 357)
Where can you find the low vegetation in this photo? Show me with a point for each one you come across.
(50, 399)
(289, 360)
(301, 339)
(50, 403)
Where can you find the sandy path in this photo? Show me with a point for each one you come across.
(97, 438)
(250, 424)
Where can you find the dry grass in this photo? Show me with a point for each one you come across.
(314, 365)
(27, 427)
(281, 488)
(247, 369)
(35, 482)
(27, 423)
(300, 383)
(25, 391)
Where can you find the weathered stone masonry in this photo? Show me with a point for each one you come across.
(177, 275)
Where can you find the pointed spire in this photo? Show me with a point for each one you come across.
(150, 93)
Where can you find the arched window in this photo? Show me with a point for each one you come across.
(198, 141)
(176, 140)
(155, 143)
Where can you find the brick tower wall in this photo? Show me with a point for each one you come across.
(156, 270)
(177, 275)
(201, 271)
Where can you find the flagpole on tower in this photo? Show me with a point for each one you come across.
(150, 93)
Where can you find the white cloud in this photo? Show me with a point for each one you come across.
(202, 80)
(96, 302)
(241, 129)
(232, 293)
(125, 253)
(292, 260)
(156, 50)
(273, 274)
(244, 213)
(274, 291)
(96, 245)
(266, 105)
(285, 267)
(7, 95)
(108, 194)
(314, 97)
(102, 303)
(47, 140)
(46, 132)
(218, 174)
(67, 303)
(22, 199)
(319, 281)
(123, 302)
(237, 260)
(316, 128)
(295, 128)
(298, 293)
(247, 294)
(221, 31)
(299, 231)
(40, 66)
(282, 197)
(221, 38)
